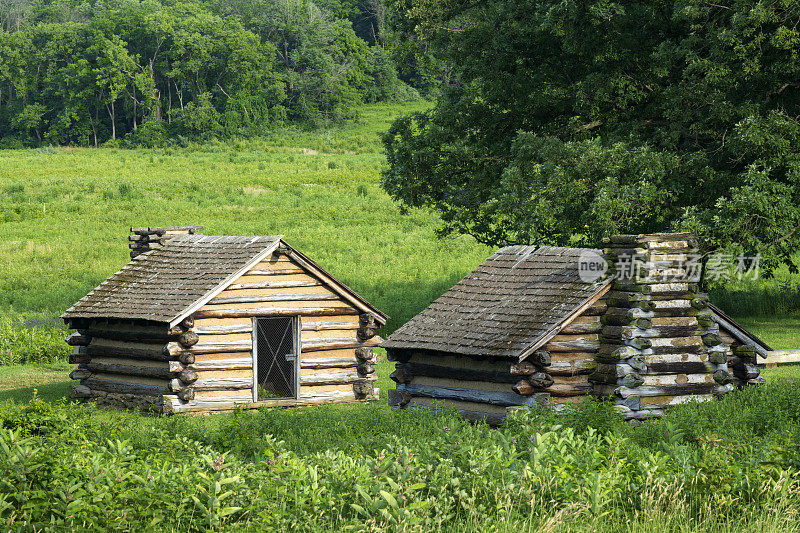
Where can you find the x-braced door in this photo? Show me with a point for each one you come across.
(276, 357)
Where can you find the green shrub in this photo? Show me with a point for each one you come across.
(198, 119)
(36, 339)
(65, 466)
(751, 415)
(151, 133)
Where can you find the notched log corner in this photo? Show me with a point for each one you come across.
(367, 326)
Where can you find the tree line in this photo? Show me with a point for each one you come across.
(140, 71)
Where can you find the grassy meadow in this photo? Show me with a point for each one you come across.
(723, 466)
(65, 213)
(732, 465)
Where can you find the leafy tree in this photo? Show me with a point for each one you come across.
(329, 69)
(14, 14)
(199, 117)
(30, 118)
(572, 120)
(99, 79)
(92, 71)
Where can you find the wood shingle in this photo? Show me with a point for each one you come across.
(504, 306)
(158, 286)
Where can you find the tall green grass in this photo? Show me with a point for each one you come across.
(765, 297)
(31, 338)
(75, 467)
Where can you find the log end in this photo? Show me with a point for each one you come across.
(401, 374)
(80, 392)
(188, 339)
(363, 389)
(399, 398)
(186, 394)
(188, 376)
(523, 387)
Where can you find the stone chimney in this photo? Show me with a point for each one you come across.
(151, 238)
(659, 345)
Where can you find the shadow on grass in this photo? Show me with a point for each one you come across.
(50, 392)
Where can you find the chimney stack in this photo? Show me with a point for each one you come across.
(152, 238)
(659, 345)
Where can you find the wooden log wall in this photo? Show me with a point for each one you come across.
(573, 352)
(205, 364)
(478, 388)
(336, 362)
(742, 362)
(145, 239)
(562, 367)
(485, 389)
(127, 365)
(659, 345)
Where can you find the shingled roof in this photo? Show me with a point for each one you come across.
(160, 285)
(505, 306)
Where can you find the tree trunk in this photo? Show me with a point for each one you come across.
(94, 129)
(157, 92)
(134, 108)
(112, 115)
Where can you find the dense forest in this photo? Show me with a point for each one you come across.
(137, 72)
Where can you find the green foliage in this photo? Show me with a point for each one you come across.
(755, 413)
(198, 119)
(777, 295)
(420, 60)
(150, 134)
(571, 121)
(33, 340)
(415, 471)
(330, 70)
(189, 69)
(34, 418)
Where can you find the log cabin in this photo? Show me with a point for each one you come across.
(197, 323)
(527, 327)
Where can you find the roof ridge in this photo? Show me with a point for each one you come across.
(542, 248)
